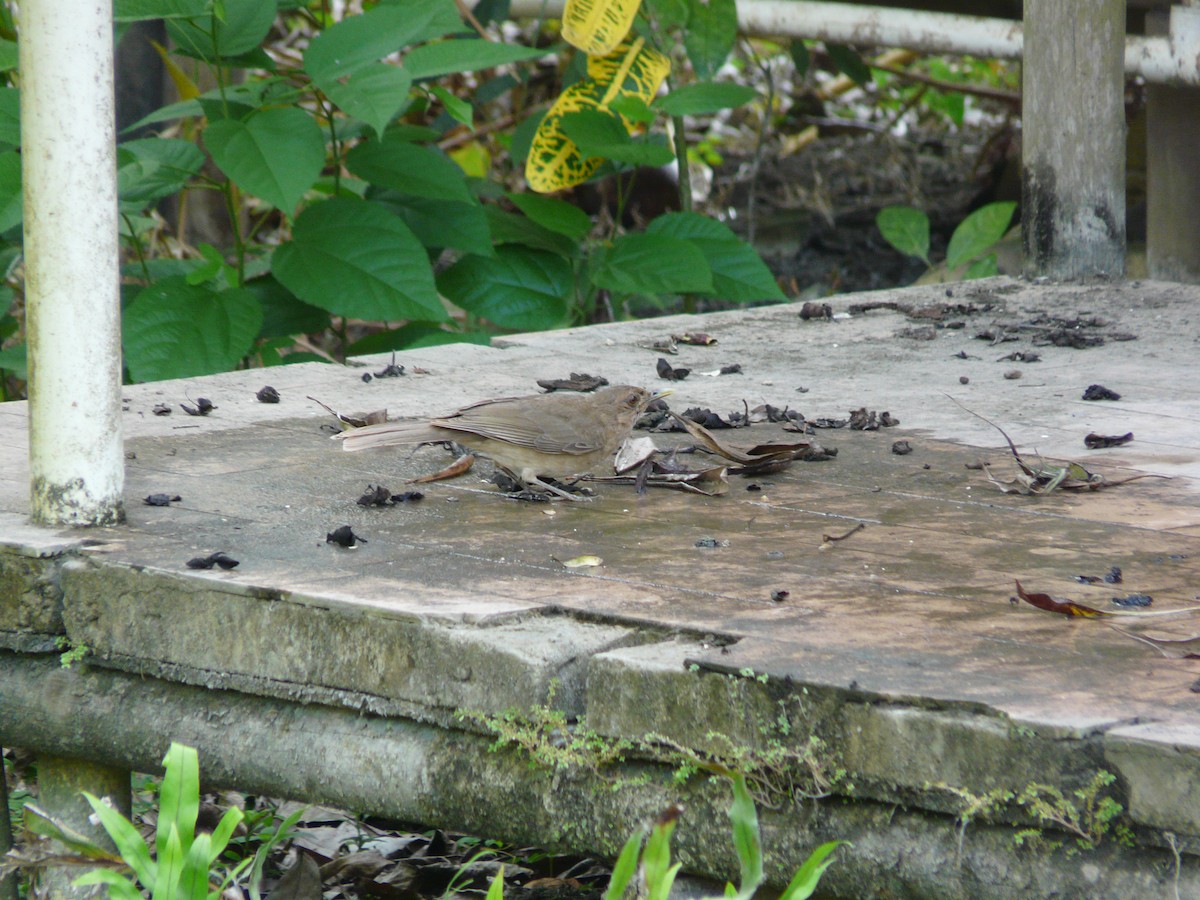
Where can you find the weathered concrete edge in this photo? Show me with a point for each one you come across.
(413, 772)
(935, 759)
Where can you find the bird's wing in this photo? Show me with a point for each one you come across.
(540, 427)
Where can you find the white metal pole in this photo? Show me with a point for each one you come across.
(68, 134)
(1157, 59)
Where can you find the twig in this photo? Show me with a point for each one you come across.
(831, 538)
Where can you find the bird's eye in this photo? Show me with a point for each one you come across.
(632, 399)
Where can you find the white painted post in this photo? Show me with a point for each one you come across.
(72, 285)
(1073, 138)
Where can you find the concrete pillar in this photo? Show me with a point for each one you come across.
(1073, 138)
(1172, 150)
(71, 264)
(60, 783)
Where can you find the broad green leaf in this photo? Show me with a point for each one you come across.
(127, 839)
(10, 116)
(15, 359)
(374, 93)
(633, 109)
(801, 58)
(170, 860)
(436, 18)
(703, 98)
(849, 63)
(496, 888)
(175, 330)
(625, 867)
(591, 128)
(11, 212)
(653, 264)
(441, 224)
(154, 168)
(119, 887)
(978, 232)
(984, 267)
(284, 314)
(509, 228)
(276, 155)
(747, 842)
(464, 55)
(360, 40)
(409, 168)
(667, 14)
(520, 288)
(137, 10)
(37, 821)
(193, 878)
(458, 109)
(711, 32)
(555, 214)
(413, 335)
(597, 26)
(636, 153)
(179, 793)
(906, 229)
(8, 55)
(241, 30)
(356, 259)
(656, 861)
(804, 882)
(738, 272)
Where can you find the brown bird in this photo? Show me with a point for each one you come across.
(558, 435)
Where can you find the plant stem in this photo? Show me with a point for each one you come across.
(681, 160)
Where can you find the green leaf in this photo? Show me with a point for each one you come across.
(519, 288)
(11, 208)
(464, 55)
(747, 842)
(374, 93)
(653, 264)
(193, 877)
(801, 58)
(804, 882)
(137, 10)
(496, 888)
(37, 821)
(978, 232)
(10, 116)
(276, 155)
(154, 168)
(170, 861)
(633, 109)
(509, 228)
(906, 229)
(656, 861)
(15, 359)
(625, 867)
(554, 214)
(241, 30)
(667, 14)
(222, 834)
(356, 259)
(984, 267)
(439, 224)
(459, 110)
(358, 41)
(711, 32)
(409, 168)
(849, 63)
(8, 55)
(127, 839)
(703, 98)
(176, 330)
(284, 314)
(179, 792)
(413, 335)
(738, 272)
(119, 887)
(601, 135)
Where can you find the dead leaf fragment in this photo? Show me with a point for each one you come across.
(1062, 607)
(580, 562)
(1101, 441)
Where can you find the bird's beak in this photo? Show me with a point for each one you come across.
(660, 393)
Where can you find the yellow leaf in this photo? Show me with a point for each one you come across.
(597, 26)
(554, 161)
(184, 86)
(473, 159)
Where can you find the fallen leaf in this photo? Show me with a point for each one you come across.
(581, 562)
(1063, 607)
(458, 467)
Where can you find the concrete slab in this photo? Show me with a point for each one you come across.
(897, 649)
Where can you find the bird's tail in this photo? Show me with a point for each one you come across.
(388, 434)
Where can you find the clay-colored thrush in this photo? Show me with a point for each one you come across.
(558, 435)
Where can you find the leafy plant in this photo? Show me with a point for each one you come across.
(342, 170)
(907, 229)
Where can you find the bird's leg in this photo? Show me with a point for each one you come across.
(557, 491)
